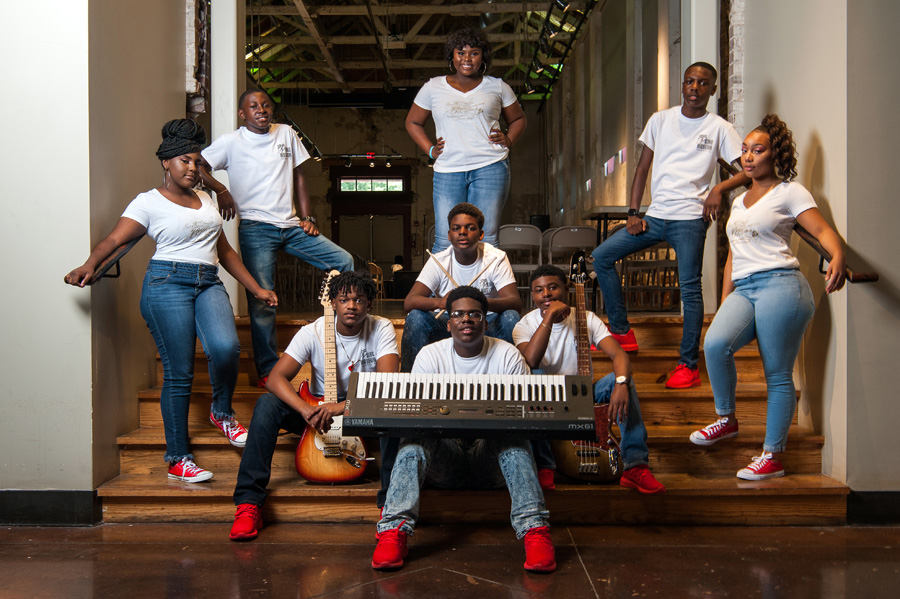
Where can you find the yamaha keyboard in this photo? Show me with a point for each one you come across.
(478, 405)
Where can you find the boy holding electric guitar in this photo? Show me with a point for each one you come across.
(345, 340)
(557, 340)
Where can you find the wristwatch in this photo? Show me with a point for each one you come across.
(621, 380)
(311, 219)
(634, 212)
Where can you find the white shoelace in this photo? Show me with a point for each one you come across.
(716, 426)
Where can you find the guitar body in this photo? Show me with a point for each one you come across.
(597, 461)
(329, 457)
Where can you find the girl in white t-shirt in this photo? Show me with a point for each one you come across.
(182, 296)
(764, 296)
(471, 150)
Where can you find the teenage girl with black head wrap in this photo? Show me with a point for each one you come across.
(182, 297)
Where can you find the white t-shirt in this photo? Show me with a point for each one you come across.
(260, 172)
(496, 357)
(465, 120)
(684, 160)
(376, 339)
(181, 234)
(497, 276)
(561, 356)
(760, 236)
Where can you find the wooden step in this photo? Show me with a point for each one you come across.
(658, 405)
(798, 499)
(670, 451)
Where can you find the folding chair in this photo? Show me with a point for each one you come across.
(522, 244)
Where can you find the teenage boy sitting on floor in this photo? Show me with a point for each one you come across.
(546, 337)
(456, 463)
(263, 162)
(365, 343)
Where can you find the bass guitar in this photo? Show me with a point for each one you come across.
(597, 460)
(328, 457)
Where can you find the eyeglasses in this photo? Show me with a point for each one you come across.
(476, 315)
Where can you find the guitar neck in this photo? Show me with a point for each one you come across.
(582, 340)
(330, 373)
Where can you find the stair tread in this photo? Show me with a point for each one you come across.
(133, 485)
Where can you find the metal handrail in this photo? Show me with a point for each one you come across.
(824, 255)
(113, 260)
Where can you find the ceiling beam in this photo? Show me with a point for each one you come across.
(323, 48)
(362, 40)
(397, 63)
(361, 84)
(463, 10)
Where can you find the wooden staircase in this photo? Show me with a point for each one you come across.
(701, 482)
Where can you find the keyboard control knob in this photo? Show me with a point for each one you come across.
(444, 410)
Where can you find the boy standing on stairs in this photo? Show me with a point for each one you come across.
(263, 162)
(682, 144)
(365, 343)
(546, 337)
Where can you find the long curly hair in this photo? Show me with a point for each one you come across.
(473, 38)
(784, 151)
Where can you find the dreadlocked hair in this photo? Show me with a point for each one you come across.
(180, 136)
(784, 151)
(355, 280)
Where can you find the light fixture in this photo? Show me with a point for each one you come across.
(372, 164)
(349, 162)
(388, 163)
(529, 89)
(562, 4)
(537, 66)
(553, 31)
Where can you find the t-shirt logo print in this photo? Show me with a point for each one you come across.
(704, 143)
(284, 151)
(464, 109)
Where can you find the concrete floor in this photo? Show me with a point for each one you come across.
(294, 560)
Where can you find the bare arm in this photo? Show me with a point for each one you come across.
(415, 126)
(515, 125)
(279, 384)
(813, 221)
(534, 350)
(508, 299)
(227, 208)
(713, 204)
(231, 262)
(301, 196)
(618, 402)
(124, 231)
(636, 224)
(419, 298)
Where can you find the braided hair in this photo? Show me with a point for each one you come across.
(473, 38)
(357, 280)
(784, 152)
(180, 136)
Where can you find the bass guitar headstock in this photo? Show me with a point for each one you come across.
(578, 272)
(326, 284)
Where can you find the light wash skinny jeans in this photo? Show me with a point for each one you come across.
(773, 306)
(462, 464)
(486, 187)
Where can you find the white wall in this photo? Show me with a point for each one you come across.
(795, 64)
(78, 145)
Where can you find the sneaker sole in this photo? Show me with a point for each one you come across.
(244, 537)
(388, 566)
(750, 476)
(630, 485)
(541, 569)
(693, 384)
(703, 441)
(191, 479)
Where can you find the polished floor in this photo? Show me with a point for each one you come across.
(332, 561)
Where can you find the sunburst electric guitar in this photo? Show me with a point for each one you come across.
(328, 457)
(597, 460)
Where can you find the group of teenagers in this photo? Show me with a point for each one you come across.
(464, 308)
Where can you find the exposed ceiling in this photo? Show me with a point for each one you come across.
(347, 51)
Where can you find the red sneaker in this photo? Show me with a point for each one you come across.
(640, 478)
(247, 522)
(540, 556)
(723, 428)
(261, 381)
(683, 378)
(391, 550)
(187, 471)
(545, 478)
(231, 428)
(761, 468)
(627, 340)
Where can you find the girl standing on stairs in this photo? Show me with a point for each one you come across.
(764, 296)
(182, 297)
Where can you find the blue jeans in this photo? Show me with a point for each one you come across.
(422, 328)
(775, 307)
(269, 416)
(260, 243)
(633, 433)
(181, 302)
(454, 464)
(486, 187)
(687, 238)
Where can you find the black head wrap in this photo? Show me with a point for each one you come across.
(180, 136)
